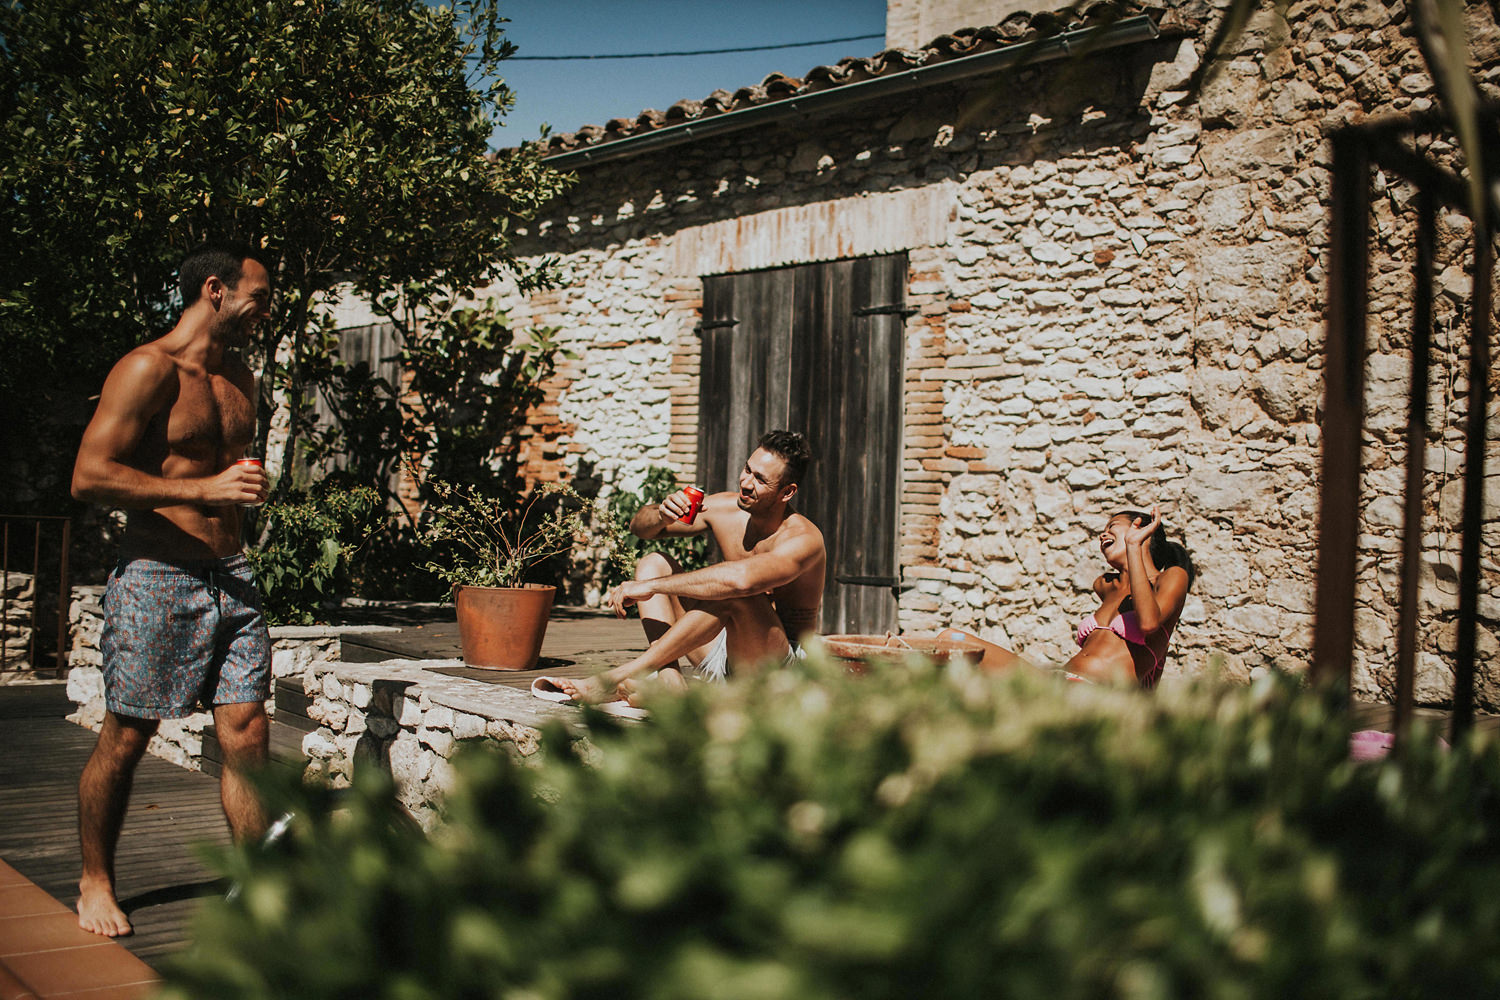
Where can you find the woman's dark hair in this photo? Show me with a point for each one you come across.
(1164, 553)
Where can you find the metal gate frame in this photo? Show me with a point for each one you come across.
(1357, 149)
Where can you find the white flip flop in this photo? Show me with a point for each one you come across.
(547, 689)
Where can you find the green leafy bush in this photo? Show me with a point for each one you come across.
(485, 543)
(302, 561)
(909, 833)
(184, 120)
(453, 423)
(691, 552)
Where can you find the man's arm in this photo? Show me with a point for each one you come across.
(138, 388)
(756, 574)
(665, 518)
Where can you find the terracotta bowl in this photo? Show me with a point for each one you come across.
(859, 650)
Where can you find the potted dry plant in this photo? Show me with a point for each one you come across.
(502, 619)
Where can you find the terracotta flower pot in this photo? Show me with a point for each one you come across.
(502, 627)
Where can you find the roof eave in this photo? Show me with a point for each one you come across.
(1126, 31)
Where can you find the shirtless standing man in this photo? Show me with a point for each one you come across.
(182, 613)
(748, 609)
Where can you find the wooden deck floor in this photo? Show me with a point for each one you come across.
(580, 642)
(171, 811)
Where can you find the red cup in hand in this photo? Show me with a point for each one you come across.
(257, 463)
(695, 503)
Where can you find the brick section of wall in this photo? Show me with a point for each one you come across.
(544, 442)
(684, 300)
(925, 433)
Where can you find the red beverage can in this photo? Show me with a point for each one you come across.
(695, 503)
(250, 461)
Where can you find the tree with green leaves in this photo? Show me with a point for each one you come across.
(349, 138)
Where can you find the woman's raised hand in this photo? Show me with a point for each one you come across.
(1138, 533)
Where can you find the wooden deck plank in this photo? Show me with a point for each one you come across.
(171, 811)
(580, 642)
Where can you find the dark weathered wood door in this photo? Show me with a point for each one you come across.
(378, 347)
(816, 348)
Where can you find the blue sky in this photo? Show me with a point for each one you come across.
(568, 95)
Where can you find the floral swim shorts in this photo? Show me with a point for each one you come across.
(179, 635)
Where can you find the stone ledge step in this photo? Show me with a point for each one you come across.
(292, 705)
(286, 749)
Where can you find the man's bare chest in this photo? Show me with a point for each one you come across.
(210, 414)
(739, 542)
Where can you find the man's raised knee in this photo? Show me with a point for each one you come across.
(655, 565)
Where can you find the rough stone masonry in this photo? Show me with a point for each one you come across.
(1120, 301)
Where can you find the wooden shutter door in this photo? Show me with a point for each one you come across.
(817, 348)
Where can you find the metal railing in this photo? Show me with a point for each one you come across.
(14, 538)
(1357, 150)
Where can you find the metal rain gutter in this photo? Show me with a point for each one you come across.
(1127, 31)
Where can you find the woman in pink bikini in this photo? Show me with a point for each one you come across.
(1140, 600)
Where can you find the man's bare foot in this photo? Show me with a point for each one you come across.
(667, 679)
(99, 912)
(628, 691)
(587, 690)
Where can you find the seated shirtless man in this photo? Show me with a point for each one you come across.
(750, 608)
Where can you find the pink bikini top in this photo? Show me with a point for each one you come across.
(1128, 627)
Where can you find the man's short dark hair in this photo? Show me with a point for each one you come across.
(791, 447)
(224, 259)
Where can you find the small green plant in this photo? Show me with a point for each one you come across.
(491, 544)
(916, 831)
(302, 562)
(690, 552)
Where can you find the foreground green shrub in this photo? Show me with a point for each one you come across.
(909, 833)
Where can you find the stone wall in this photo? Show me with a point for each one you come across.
(405, 716)
(410, 719)
(18, 595)
(1124, 306)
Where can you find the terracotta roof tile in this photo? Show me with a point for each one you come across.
(1013, 30)
(778, 86)
(719, 100)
